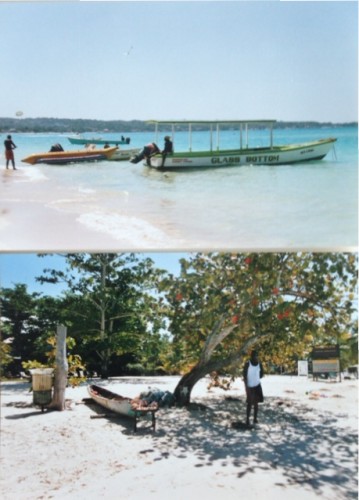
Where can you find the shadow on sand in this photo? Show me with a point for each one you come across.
(306, 446)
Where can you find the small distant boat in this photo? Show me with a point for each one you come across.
(64, 157)
(98, 140)
(216, 157)
(126, 407)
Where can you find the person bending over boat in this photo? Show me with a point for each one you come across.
(148, 151)
(252, 374)
(168, 149)
(9, 152)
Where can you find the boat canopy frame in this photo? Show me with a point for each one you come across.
(243, 124)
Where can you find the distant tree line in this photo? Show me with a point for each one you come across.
(66, 125)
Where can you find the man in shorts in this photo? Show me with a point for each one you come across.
(9, 152)
(252, 374)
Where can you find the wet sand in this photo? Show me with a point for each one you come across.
(36, 215)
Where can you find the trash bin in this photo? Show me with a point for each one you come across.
(42, 386)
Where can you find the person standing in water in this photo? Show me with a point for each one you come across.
(9, 152)
(167, 150)
(252, 374)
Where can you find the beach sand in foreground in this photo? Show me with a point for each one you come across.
(304, 447)
(38, 215)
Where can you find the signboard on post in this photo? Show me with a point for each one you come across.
(326, 366)
(326, 360)
(331, 352)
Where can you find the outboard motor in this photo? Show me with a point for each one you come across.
(147, 152)
(56, 147)
(137, 158)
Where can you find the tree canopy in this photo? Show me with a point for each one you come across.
(223, 304)
(122, 311)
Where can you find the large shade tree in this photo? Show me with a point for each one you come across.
(222, 305)
(25, 316)
(109, 305)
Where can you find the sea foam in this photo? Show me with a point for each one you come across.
(131, 231)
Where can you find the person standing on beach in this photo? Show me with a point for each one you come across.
(9, 152)
(252, 374)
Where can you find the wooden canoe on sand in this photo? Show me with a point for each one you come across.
(134, 408)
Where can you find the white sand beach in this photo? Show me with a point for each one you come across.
(36, 214)
(304, 447)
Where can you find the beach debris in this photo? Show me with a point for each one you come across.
(220, 382)
(316, 395)
(138, 404)
(280, 402)
(162, 398)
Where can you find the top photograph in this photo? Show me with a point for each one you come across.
(179, 126)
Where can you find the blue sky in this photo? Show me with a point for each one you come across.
(25, 267)
(180, 60)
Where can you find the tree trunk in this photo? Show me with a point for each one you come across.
(61, 370)
(184, 387)
(104, 354)
(182, 393)
(104, 369)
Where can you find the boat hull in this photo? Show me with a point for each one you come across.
(276, 155)
(111, 401)
(124, 154)
(65, 157)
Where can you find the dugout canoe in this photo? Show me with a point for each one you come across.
(127, 407)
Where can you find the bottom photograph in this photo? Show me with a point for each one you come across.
(152, 374)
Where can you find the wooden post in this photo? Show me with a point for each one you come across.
(61, 370)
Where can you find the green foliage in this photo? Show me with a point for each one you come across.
(75, 364)
(5, 357)
(136, 369)
(283, 303)
(118, 307)
(110, 304)
(25, 317)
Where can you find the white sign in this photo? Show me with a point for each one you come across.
(303, 368)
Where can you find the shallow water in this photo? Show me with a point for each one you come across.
(304, 206)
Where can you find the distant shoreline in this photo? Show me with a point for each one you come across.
(67, 125)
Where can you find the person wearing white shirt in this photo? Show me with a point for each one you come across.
(252, 374)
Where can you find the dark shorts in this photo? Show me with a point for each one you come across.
(254, 394)
(9, 154)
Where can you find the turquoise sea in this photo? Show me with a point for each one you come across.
(304, 206)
